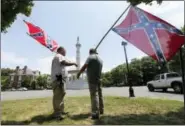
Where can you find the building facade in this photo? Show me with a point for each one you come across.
(19, 75)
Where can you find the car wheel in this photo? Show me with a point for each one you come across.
(164, 89)
(150, 88)
(177, 87)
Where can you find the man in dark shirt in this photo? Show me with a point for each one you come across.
(94, 69)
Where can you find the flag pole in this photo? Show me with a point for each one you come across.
(112, 27)
(183, 74)
(28, 34)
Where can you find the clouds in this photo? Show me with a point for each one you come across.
(44, 64)
(170, 11)
(12, 58)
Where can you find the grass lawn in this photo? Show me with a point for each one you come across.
(118, 110)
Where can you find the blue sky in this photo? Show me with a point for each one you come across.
(64, 21)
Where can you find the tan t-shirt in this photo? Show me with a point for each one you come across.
(57, 68)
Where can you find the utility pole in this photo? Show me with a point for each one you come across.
(183, 74)
(131, 90)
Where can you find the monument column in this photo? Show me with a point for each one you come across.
(78, 45)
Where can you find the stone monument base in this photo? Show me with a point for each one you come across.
(77, 84)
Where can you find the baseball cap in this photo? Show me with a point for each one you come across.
(92, 51)
(60, 48)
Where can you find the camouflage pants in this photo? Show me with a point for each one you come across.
(58, 98)
(96, 98)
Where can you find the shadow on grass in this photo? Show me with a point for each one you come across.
(80, 116)
(141, 119)
(40, 119)
(171, 118)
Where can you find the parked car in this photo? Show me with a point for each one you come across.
(165, 81)
(13, 89)
(22, 89)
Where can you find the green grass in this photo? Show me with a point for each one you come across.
(118, 110)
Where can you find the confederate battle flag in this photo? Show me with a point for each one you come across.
(152, 35)
(38, 34)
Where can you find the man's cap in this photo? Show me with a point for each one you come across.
(93, 51)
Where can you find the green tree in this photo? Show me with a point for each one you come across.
(140, 70)
(5, 81)
(42, 81)
(182, 29)
(10, 9)
(118, 74)
(135, 73)
(136, 2)
(26, 82)
(106, 79)
(3, 78)
(33, 84)
(149, 68)
(6, 71)
(48, 81)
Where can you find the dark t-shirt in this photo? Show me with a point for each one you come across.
(94, 68)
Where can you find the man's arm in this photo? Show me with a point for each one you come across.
(68, 63)
(84, 67)
(82, 70)
(64, 62)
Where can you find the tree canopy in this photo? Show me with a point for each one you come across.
(136, 2)
(182, 29)
(6, 71)
(10, 9)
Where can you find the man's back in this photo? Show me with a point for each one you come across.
(94, 68)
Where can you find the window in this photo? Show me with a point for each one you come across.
(172, 75)
(162, 76)
(157, 77)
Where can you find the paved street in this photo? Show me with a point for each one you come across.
(113, 91)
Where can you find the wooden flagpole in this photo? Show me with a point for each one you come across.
(112, 27)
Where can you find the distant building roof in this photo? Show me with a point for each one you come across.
(26, 71)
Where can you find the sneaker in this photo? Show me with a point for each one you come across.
(57, 116)
(101, 111)
(65, 113)
(60, 117)
(95, 116)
